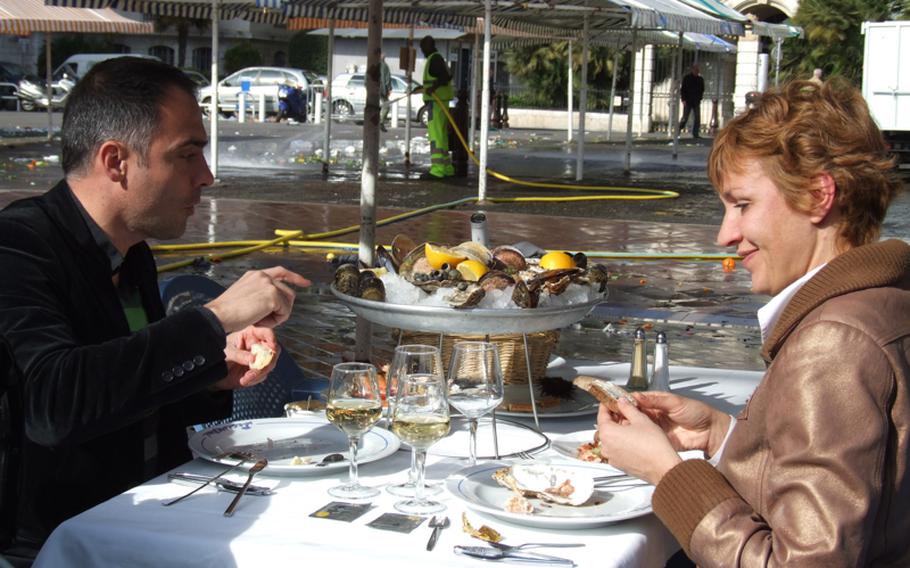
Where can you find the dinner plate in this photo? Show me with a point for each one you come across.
(513, 438)
(280, 440)
(517, 403)
(567, 445)
(475, 487)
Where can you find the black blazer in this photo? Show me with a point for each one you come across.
(86, 401)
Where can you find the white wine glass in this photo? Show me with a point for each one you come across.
(354, 405)
(421, 418)
(409, 360)
(475, 384)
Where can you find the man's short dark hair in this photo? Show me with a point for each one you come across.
(118, 99)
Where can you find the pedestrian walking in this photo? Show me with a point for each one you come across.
(691, 93)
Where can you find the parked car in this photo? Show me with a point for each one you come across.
(263, 80)
(349, 96)
(197, 77)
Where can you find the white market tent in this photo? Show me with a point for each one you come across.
(25, 17)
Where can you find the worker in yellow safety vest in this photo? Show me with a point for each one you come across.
(437, 80)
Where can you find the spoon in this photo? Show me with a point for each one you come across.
(242, 458)
(331, 458)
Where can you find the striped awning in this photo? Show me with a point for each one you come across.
(24, 17)
(262, 11)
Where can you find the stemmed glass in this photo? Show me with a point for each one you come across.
(475, 384)
(421, 417)
(354, 405)
(409, 360)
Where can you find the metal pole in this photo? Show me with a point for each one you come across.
(475, 56)
(409, 73)
(582, 105)
(612, 95)
(213, 114)
(327, 129)
(779, 41)
(50, 86)
(484, 106)
(641, 92)
(677, 94)
(370, 163)
(570, 88)
(627, 166)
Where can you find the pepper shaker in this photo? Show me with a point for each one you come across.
(638, 371)
(479, 228)
(660, 377)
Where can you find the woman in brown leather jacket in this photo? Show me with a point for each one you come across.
(815, 471)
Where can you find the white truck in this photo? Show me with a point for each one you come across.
(886, 81)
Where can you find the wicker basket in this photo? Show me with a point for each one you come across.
(510, 347)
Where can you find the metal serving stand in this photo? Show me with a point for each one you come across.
(477, 321)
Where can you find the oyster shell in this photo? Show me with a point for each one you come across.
(347, 279)
(509, 258)
(549, 483)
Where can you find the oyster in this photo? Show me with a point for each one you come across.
(496, 280)
(372, 288)
(385, 259)
(475, 251)
(549, 483)
(467, 298)
(509, 258)
(524, 297)
(347, 279)
(401, 246)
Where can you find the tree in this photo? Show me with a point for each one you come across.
(833, 40)
(543, 68)
(64, 45)
(244, 54)
(182, 25)
(308, 52)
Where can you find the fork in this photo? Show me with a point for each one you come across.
(242, 456)
(511, 548)
(524, 456)
(438, 523)
(257, 467)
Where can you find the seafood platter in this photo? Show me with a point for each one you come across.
(469, 288)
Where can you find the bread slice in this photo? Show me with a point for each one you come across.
(262, 356)
(604, 391)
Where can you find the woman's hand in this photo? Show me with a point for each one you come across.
(238, 357)
(635, 444)
(689, 424)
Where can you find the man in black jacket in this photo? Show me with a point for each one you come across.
(97, 386)
(691, 93)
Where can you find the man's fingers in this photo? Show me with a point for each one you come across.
(281, 274)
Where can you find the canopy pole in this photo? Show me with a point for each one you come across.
(484, 106)
(570, 91)
(475, 56)
(582, 105)
(627, 165)
(370, 163)
(213, 113)
(779, 41)
(612, 96)
(50, 86)
(327, 128)
(677, 95)
(409, 74)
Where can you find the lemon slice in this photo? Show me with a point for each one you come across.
(439, 255)
(471, 270)
(557, 259)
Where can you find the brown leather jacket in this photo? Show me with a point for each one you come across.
(817, 470)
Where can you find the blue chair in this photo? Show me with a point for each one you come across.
(287, 381)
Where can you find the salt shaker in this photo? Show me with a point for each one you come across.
(660, 377)
(638, 372)
(479, 228)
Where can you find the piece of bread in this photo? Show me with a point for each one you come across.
(262, 356)
(604, 391)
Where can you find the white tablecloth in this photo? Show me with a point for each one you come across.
(133, 529)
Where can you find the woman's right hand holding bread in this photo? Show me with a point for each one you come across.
(689, 424)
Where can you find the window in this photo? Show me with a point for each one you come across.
(202, 60)
(280, 59)
(121, 48)
(356, 81)
(163, 52)
(270, 77)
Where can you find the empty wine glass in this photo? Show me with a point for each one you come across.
(421, 418)
(411, 359)
(475, 384)
(354, 405)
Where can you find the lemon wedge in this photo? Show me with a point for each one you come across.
(472, 270)
(439, 255)
(557, 259)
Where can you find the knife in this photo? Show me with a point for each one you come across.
(184, 478)
(524, 557)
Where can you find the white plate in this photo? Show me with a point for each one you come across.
(476, 488)
(281, 439)
(512, 436)
(578, 403)
(567, 445)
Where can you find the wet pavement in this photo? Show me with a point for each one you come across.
(271, 178)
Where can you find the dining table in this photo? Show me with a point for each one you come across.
(293, 526)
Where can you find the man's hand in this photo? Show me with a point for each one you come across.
(238, 357)
(260, 297)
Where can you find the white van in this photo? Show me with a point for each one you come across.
(76, 66)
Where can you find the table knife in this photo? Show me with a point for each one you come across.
(184, 478)
(522, 557)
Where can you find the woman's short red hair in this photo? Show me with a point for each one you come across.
(804, 129)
